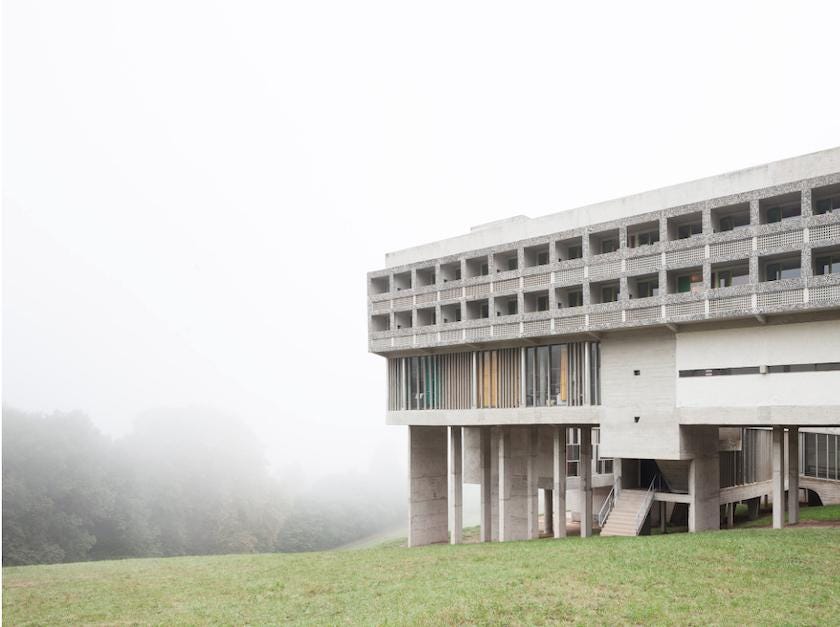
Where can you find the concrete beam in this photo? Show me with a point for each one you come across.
(778, 477)
(456, 485)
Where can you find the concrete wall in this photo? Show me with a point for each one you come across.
(428, 486)
(650, 395)
(807, 342)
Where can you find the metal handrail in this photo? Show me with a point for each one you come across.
(606, 508)
(643, 510)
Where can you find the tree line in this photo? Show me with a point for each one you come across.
(181, 483)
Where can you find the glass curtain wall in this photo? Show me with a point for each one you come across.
(430, 382)
(820, 455)
(498, 378)
(562, 375)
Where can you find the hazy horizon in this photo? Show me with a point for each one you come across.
(194, 192)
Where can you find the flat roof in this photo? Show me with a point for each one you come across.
(522, 227)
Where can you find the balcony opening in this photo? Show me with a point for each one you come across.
(506, 261)
(645, 286)
(506, 305)
(380, 285)
(643, 234)
(425, 277)
(826, 260)
(402, 281)
(537, 256)
(381, 322)
(779, 208)
(826, 199)
(450, 313)
(685, 226)
(605, 292)
(571, 248)
(402, 320)
(450, 271)
(478, 309)
(426, 317)
(536, 301)
(730, 274)
(568, 297)
(686, 280)
(779, 267)
(477, 266)
(604, 242)
(730, 217)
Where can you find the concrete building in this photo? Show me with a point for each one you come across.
(666, 354)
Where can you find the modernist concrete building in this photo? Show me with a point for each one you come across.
(667, 354)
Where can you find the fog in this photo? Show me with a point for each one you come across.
(193, 191)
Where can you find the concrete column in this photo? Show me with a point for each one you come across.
(617, 476)
(704, 488)
(505, 484)
(548, 511)
(793, 475)
(486, 485)
(494, 482)
(559, 491)
(778, 477)
(456, 485)
(730, 515)
(585, 482)
(427, 500)
(532, 498)
(663, 515)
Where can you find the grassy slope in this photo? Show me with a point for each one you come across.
(742, 576)
(829, 512)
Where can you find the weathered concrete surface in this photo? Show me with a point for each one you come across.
(427, 505)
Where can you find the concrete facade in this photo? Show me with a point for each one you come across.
(627, 346)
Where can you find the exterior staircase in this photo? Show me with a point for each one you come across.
(628, 514)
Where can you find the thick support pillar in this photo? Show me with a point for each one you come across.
(778, 477)
(704, 488)
(558, 493)
(456, 485)
(548, 512)
(663, 515)
(730, 515)
(427, 494)
(793, 475)
(532, 497)
(585, 482)
(505, 485)
(486, 486)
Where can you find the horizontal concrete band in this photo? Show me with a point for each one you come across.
(766, 416)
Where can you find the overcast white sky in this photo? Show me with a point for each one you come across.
(193, 191)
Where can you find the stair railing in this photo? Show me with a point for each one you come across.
(606, 508)
(646, 503)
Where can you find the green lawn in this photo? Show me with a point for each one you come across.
(753, 576)
(829, 512)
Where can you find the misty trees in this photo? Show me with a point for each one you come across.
(184, 482)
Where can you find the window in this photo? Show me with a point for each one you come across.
(692, 282)
(555, 375)
(687, 230)
(484, 310)
(609, 294)
(511, 307)
(512, 263)
(575, 252)
(729, 223)
(827, 264)
(542, 303)
(827, 205)
(609, 245)
(646, 289)
(498, 378)
(576, 298)
(777, 214)
(542, 258)
(644, 239)
(783, 269)
(727, 277)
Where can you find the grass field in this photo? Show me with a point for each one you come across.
(756, 576)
